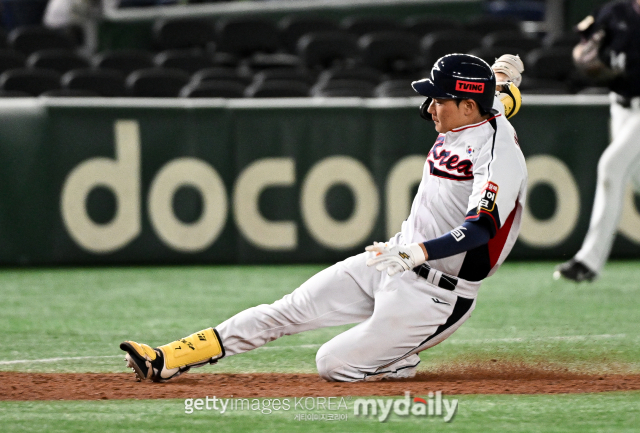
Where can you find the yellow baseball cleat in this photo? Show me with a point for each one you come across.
(171, 360)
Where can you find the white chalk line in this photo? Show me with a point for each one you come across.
(315, 346)
(70, 358)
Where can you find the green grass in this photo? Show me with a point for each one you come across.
(513, 413)
(522, 315)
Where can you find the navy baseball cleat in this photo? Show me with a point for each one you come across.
(575, 271)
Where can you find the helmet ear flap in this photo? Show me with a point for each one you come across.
(423, 109)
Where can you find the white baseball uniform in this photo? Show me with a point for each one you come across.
(471, 173)
(620, 161)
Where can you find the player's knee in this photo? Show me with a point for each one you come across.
(327, 363)
(333, 369)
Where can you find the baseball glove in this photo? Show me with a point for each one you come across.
(510, 65)
(586, 57)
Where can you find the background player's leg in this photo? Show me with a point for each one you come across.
(338, 295)
(428, 315)
(614, 170)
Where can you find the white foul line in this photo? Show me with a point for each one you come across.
(315, 346)
(72, 358)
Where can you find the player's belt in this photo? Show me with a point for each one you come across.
(433, 276)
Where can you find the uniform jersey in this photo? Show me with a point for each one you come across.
(471, 173)
(621, 46)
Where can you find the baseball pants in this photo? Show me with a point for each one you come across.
(396, 317)
(618, 164)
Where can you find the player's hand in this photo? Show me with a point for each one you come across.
(509, 68)
(396, 259)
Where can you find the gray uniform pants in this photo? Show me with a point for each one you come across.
(396, 317)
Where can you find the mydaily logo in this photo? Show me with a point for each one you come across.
(433, 405)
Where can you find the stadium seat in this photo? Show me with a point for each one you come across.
(29, 39)
(11, 59)
(300, 75)
(244, 36)
(187, 60)
(395, 53)
(70, 93)
(488, 24)
(553, 90)
(327, 49)
(490, 54)
(224, 59)
(592, 90)
(425, 24)
(182, 33)
(568, 39)
(58, 60)
(359, 73)
(292, 28)
(213, 89)
(531, 85)
(103, 82)
(219, 73)
(513, 39)
(438, 44)
(14, 94)
(550, 63)
(156, 82)
(31, 81)
(144, 3)
(277, 89)
(361, 25)
(260, 61)
(523, 10)
(75, 32)
(395, 89)
(344, 88)
(125, 61)
(3, 38)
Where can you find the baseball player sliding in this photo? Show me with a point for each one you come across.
(412, 292)
(610, 52)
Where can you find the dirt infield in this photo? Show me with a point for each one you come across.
(496, 378)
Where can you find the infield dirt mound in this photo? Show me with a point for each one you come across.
(494, 378)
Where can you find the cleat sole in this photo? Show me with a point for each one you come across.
(132, 365)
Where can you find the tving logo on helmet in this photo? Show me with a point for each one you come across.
(468, 86)
(456, 76)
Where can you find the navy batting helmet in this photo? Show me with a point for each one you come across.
(459, 76)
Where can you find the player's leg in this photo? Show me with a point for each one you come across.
(338, 295)
(617, 164)
(410, 315)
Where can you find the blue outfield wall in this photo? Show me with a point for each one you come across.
(119, 181)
